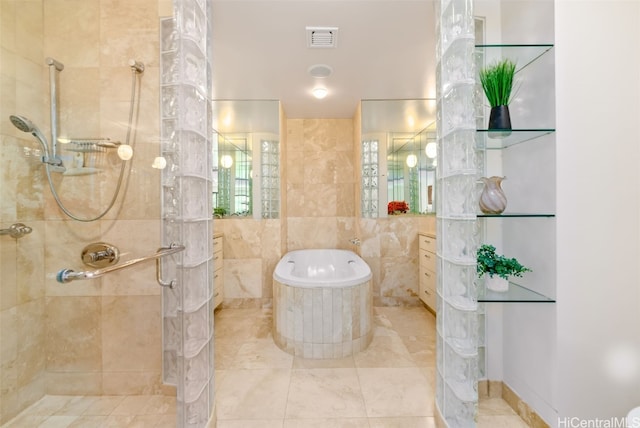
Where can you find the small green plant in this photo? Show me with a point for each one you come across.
(497, 82)
(219, 212)
(494, 264)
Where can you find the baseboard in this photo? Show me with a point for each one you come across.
(498, 389)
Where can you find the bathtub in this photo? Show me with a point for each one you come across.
(322, 304)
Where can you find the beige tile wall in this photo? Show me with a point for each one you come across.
(321, 210)
(320, 183)
(87, 337)
(251, 250)
(105, 335)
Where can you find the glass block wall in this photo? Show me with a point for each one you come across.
(457, 230)
(186, 141)
(370, 179)
(270, 179)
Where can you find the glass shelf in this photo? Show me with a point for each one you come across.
(515, 294)
(535, 215)
(523, 55)
(496, 140)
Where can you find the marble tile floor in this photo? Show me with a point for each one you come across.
(390, 384)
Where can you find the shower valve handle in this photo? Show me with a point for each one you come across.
(100, 254)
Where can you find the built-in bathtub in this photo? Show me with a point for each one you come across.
(322, 303)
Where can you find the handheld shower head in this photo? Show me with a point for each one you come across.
(25, 125)
(22, 123)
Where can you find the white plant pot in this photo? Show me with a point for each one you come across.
(496, 283)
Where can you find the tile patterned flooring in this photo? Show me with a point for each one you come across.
(58, 411)
(389, 385)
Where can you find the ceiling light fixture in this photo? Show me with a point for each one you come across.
(320, 92)
(412, 160)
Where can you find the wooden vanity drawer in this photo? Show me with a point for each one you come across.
(218, 261)
(218, 271)
(217, 244)
(428, 296)
(428, 262)
(427, 243)
(428, 259)
(428, 278)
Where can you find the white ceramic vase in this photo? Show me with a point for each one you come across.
(496, 283)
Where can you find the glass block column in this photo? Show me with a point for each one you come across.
(457, 230)
(270, 179)
(186, 138)
(370, 179)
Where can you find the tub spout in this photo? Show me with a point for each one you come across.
(355, 241)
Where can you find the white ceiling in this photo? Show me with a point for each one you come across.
(385, 50)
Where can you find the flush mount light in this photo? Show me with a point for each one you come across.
(320, 92)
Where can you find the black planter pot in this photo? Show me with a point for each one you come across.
(500, 120)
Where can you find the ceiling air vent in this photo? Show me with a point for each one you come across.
(322, 37)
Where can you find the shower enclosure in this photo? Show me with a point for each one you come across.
(103, 336)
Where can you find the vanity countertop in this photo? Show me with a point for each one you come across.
(429, 234)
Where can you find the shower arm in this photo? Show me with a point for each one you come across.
(67, 275)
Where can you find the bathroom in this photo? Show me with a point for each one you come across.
(84, 327)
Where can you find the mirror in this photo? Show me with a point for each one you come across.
(246, 159)
(399, 157)
(411, 171)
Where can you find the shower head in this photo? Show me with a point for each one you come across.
(22, 123)
(25, 125)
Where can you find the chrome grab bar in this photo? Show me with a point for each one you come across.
(68, 275)
(17, 230)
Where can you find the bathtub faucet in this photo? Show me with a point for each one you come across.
(355, 241)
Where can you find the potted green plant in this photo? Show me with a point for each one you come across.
(219, 212)
(497, 82)
(498, 268)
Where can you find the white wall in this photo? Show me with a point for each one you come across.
(598, 134)
(529, 329)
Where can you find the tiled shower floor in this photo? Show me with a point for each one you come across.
(57, 411)
(389, 385)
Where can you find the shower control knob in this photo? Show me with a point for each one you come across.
(100, 254)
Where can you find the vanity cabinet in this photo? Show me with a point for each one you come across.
(427, 254)
(218, 270)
